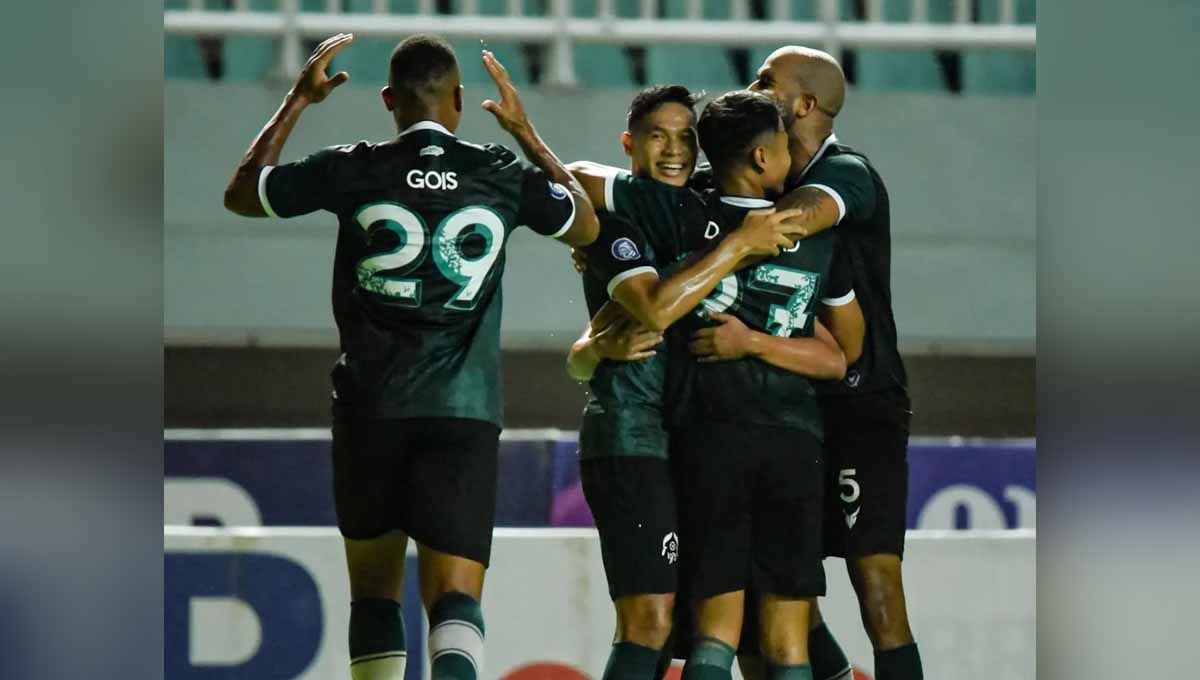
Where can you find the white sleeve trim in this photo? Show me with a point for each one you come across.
(839, 301)
(629, 274)
(836, 197)
(570, 220)
(610, 180)
(262, 190)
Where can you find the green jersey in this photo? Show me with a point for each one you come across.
(777, 296)
(644, 226)
(422, 224)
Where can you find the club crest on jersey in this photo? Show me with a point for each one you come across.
(558, 191)
(432, 150)
(624, 249)
(670, 547)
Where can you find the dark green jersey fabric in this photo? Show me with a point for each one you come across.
(777, 296)
(423, 221)
(864, 231)
(645, 225)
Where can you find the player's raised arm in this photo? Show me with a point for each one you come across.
(510, 114)
(817, 357)
(594, 178)
(658, 303)
(245, 191)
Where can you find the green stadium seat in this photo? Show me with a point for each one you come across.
(907, 70)
(697, 67)
(1001, 72)
(181, 58)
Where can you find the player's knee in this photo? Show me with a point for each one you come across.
(646, 620)
(376, 580)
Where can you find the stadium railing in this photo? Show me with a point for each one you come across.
(562, 27)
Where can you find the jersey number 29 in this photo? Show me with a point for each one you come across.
(386, 273)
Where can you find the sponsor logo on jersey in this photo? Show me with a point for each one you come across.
(432, 179)
(712, 230)
(624, 249)
(670, 547)
(558, 191)
(433, 150)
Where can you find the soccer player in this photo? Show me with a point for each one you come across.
(866, 414)
(623, 440)
(747, 443)
(423, 220)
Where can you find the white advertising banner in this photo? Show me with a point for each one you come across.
(272, 604)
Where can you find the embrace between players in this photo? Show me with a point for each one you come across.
(743, 420)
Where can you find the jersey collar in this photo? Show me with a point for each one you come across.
(426, 125)
(830, 140)
(744, 202)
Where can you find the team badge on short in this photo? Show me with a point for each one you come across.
(851, 518)
(624, 249)
(853, 377)
(670, 547)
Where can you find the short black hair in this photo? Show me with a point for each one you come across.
(649, 99)
(731, 123)
(420, 64)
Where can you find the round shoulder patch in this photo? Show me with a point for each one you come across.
(624, 249)
(558, 191)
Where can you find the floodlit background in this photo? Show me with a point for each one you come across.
(941, 100)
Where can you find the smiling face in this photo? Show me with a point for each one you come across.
(663, 144)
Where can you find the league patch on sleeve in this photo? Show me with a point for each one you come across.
(558, 191)
(625, 250)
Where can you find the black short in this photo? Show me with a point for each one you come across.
(866, 456)
(633, 502)
(750, 503)
(432, 478)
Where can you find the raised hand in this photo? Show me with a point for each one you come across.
(314, 84)
(509, 112)
(766, 232)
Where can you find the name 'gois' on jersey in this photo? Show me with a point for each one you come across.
(777, 296)
(422, 225)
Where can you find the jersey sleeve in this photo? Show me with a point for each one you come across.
(645, 201)
(619, 253)
(847, 180)
(839, 286)
(547, 207)
(299, 188)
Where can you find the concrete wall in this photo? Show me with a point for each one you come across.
(960, 172)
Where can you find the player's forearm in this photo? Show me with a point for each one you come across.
(586, 226)
(673, 297)
(805, 356)
(583, 359)
(241, 195)
(820, 211)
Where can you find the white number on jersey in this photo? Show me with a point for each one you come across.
(448, 255)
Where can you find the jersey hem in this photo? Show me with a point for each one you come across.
(839, 301)
(570, 220)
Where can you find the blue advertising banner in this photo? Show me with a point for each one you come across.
(284, 478)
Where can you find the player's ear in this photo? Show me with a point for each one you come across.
(803, 105)
(388, 100)
(758, 159)
(627, 143)
(458, 98)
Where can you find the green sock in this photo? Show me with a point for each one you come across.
(631, 661)
(901, 663)
(455, 638)
(828, 660)
(376, 640)
(798, 672)
(711, 659)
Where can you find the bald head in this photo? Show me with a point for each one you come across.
(794, 72)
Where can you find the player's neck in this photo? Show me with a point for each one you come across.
(803, 145)
(740, 184)
(411, 118)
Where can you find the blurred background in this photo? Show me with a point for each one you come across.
(942, 100)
